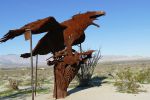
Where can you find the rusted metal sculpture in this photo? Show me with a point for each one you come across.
(59, 40)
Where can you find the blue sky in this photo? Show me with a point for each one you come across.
(125, 30)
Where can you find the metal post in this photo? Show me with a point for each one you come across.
(81, 58)
(55, 86)
(36, 74)
(31, 58)
(80, 45)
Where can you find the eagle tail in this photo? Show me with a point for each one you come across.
(25, 55)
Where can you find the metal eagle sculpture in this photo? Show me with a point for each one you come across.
(58, 40)
(59, 35)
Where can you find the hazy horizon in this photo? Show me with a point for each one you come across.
(102, 55)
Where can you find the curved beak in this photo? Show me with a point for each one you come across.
(97, 14)
(100, 13)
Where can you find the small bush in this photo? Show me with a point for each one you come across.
(143, 76)
(125, 81)
(13, 84)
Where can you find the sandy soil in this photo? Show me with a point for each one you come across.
(104, 92)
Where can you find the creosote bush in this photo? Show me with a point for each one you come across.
(129, 81)
(143, 76)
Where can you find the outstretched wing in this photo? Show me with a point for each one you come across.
(49, 43)
(39, 26)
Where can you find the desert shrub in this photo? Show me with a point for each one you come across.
(13, 84)
(143, 76)
(126, 81)
(86, 71)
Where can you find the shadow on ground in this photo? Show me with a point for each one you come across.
(21, 94)
(95, 82)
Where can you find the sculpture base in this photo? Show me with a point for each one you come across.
(63, 74)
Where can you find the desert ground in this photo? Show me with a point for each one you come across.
(103, 92)
(101, 85)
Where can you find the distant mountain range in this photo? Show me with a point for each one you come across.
(112, 58)
(12, 60)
